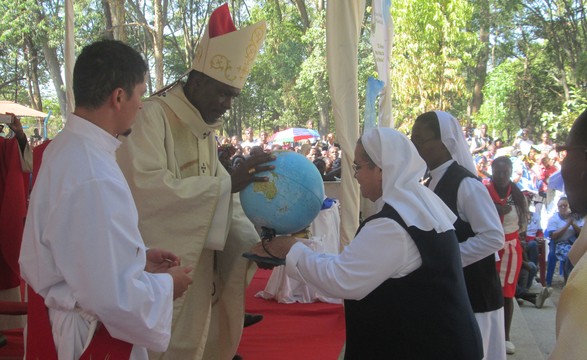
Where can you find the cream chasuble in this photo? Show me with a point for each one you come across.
(185, 205)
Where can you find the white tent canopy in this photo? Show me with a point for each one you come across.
(20, 110)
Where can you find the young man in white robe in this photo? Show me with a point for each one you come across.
(82, 251)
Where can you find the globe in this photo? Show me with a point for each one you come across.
(292, 197)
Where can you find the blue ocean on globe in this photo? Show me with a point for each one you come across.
(291, 199)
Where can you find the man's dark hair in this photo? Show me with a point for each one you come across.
(503, 159)
(430, 120)
(321, 165)
(579, 130)
(104, 66)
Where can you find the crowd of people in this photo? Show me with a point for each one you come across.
(533, 163)
(536, 171)
(143, 194)
(324, 153)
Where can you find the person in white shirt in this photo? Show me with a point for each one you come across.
(481, 141)
(523, 142)
(401, 276)
(250, 140)
(82, 251)
(545, 145)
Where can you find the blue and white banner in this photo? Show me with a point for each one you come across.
(382, 42)
(374, 88)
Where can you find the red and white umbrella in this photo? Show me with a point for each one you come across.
(294, 135)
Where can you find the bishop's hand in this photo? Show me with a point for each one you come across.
(245, 173)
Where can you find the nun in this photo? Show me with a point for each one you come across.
(401, 276)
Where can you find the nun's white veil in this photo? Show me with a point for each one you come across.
(402, 169)
(451, 135)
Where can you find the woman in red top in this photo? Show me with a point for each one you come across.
(513, 212)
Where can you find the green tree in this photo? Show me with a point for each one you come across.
(431, 51)
(269, 99)
(532, 52)
(517, 94)
(563, 27)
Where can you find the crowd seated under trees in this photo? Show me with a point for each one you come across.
(326, 155)
(533, 163)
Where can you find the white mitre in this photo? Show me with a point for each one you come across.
(226, 54)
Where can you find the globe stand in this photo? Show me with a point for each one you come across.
(267, 234)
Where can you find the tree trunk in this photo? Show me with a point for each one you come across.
(119, 20)
(278, 11)
(109, 33)
(320, 5)
(160, 8)
(118, 15)
(55, 70)
(481, 67)
(189, 37)
(33, 74)
(301, 5)
(151, 38)
(54, 67)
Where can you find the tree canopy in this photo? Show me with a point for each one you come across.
(507, 63)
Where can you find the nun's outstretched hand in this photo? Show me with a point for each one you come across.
(276, 248)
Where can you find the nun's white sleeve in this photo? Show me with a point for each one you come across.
(382, 250)
(476, 207)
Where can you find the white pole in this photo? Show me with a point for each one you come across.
(69, 55)
(343, 26)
